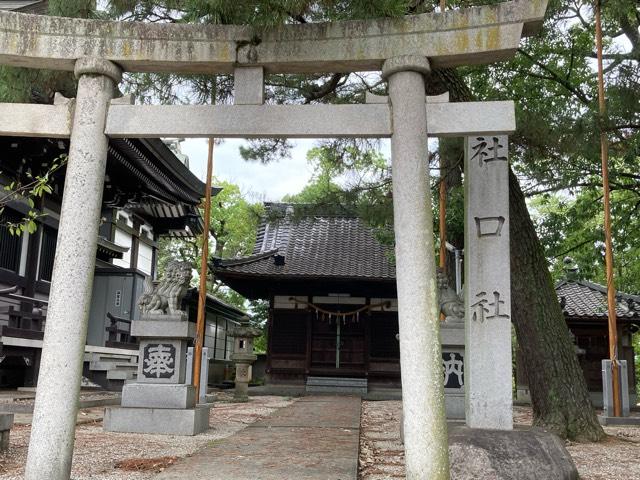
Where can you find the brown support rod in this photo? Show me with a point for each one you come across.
(443, 203)
(611, 293)
(202, 291)
(443, 221)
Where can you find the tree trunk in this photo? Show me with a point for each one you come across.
(559, 393)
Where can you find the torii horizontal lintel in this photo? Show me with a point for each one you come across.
(259, 121)
(32, 120)
(458, 37)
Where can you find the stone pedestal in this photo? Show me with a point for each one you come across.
(162, 400)
(243, 357)
(453, 363)
(487, 289)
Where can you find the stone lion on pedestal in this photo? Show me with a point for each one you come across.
(165, 296)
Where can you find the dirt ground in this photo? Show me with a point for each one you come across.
(127, 456)
(382, 457)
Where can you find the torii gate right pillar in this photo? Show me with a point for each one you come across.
(425, 428)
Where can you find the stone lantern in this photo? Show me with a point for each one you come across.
(243, 357)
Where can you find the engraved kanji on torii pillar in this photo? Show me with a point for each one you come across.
(487, 284)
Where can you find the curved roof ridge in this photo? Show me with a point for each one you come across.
(220, 262)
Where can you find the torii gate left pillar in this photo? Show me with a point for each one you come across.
(425, 428)
(54, 417)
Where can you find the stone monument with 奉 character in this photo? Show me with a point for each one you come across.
(162, 400)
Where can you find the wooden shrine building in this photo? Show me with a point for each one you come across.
(584, 305)
(149, 193)
(331, 287)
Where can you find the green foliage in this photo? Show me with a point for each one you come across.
(234, 222)
(33, 189)
(259, 310)
(22, 85)
(72, 8)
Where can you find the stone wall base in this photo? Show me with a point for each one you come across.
(164, 421)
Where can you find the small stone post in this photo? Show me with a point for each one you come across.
(56, 405)
(425, 427)
(243, 357)
(488, 389)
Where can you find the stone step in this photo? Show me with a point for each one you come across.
(107, 366)
(121, 374)
(337, 385)
(360, 382)
(109, 358)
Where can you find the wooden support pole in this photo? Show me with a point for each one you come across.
(611, 292)
(443, 221)
(443, 5)
(202, 291)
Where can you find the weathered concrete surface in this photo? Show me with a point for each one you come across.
(255, 121)
(56, 404)
(316, 438)
(301, 121)
(162, 329)
(457, 37)
(155, 395)
(488, 366)
(165, 421)
(508, 455)
(248, 86)
(418, 308)
(22, 119)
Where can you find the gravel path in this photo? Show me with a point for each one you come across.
(121, 456)
(110, 456)
(382, 457)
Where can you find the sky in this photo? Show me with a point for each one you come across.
(257, 182)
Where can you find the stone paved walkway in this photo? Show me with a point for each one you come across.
(315, 438)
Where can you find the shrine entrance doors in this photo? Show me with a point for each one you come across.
(337, 345)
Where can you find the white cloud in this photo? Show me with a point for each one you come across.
(258, 182)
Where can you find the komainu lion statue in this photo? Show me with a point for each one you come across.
(451, 305)
(165, 296)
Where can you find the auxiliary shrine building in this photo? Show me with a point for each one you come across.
(149, 193)
(331, 287)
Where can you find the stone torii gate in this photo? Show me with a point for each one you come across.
(405, 50)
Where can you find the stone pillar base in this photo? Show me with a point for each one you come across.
(158, 395)
(163, 421)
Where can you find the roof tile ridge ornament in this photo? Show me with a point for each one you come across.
(222, 263)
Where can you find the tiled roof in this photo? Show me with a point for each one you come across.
(29, 6)
(581, 299)
(329, 246)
